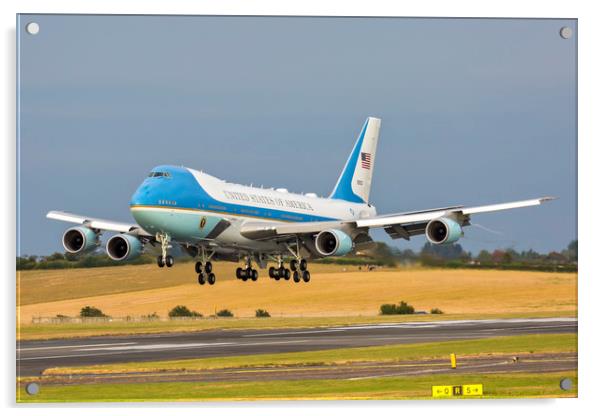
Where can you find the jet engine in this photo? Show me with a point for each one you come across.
(443, 231)
(122, 247)
(333, 243)
(78, 240)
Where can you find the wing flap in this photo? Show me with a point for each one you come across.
(396, 231)
(255, 230)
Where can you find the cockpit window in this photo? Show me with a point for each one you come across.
(156, 174)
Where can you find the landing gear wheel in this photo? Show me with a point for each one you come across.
(208, 267)
(272, 272)
(160, 261)
(211, 279)
(306, 276)
(294, 264)
(287, 274)
(254, 275)
(296, 276)
(239, 273)
(303, 265)
(169, 261)
(201, 279)
(198, 267)
(247, 274)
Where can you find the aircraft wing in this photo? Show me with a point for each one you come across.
(402, 225)
(97, 223)
(408, 225)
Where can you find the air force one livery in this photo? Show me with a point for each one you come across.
(216, 220)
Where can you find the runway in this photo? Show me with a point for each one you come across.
(35, 356)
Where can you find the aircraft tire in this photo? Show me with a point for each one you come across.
(287, 274)
(169, 261)
(272, 272)
(254, 275)
(160, 262)
(208, 267)
(303, 265)
(211, 279)
(201, 279)
(306, 276)
(198, 267)
(296, 276)
(239, 273)
(294, 264)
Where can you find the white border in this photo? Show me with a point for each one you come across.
(589, 200)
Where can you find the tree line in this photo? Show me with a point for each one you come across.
(380, 254)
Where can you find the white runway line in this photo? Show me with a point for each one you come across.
(522, 328)
(155, 346)
(317, 331)
(158, 347)
(430, 324)
(72, 346)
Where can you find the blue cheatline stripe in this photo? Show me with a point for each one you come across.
(185, 191)
(343, 188)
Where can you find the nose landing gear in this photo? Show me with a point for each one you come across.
(164, 259)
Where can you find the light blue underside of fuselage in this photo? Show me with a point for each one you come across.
(180, 225)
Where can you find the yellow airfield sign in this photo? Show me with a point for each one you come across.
(454, 391)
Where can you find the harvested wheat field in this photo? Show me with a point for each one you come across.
(141, 290)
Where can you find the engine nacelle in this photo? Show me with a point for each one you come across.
(333, 243)
(443, 231)
(79, 240)
(122, 247)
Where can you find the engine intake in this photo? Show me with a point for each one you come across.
(443, 231)
(79, 240)
(333, 243)
(122, 247)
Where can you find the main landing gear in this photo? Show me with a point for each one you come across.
(204, 268)
(302, 273)
(298, 268)
(248, 272)
(299, 264)
(164, 259)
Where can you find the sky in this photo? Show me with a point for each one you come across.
(474, 111)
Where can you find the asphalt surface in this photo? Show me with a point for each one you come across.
(529, 363)
(35, 356)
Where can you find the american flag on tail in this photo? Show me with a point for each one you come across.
(366, 160)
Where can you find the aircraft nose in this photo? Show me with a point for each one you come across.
(142, 195)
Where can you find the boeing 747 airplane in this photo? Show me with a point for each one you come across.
(216, 220)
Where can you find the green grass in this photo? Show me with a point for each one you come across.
(74, 330)
(495, 386)
(399, 352)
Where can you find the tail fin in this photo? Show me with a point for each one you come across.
(356, 178)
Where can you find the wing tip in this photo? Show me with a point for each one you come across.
(547, 198)
(52, 214)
